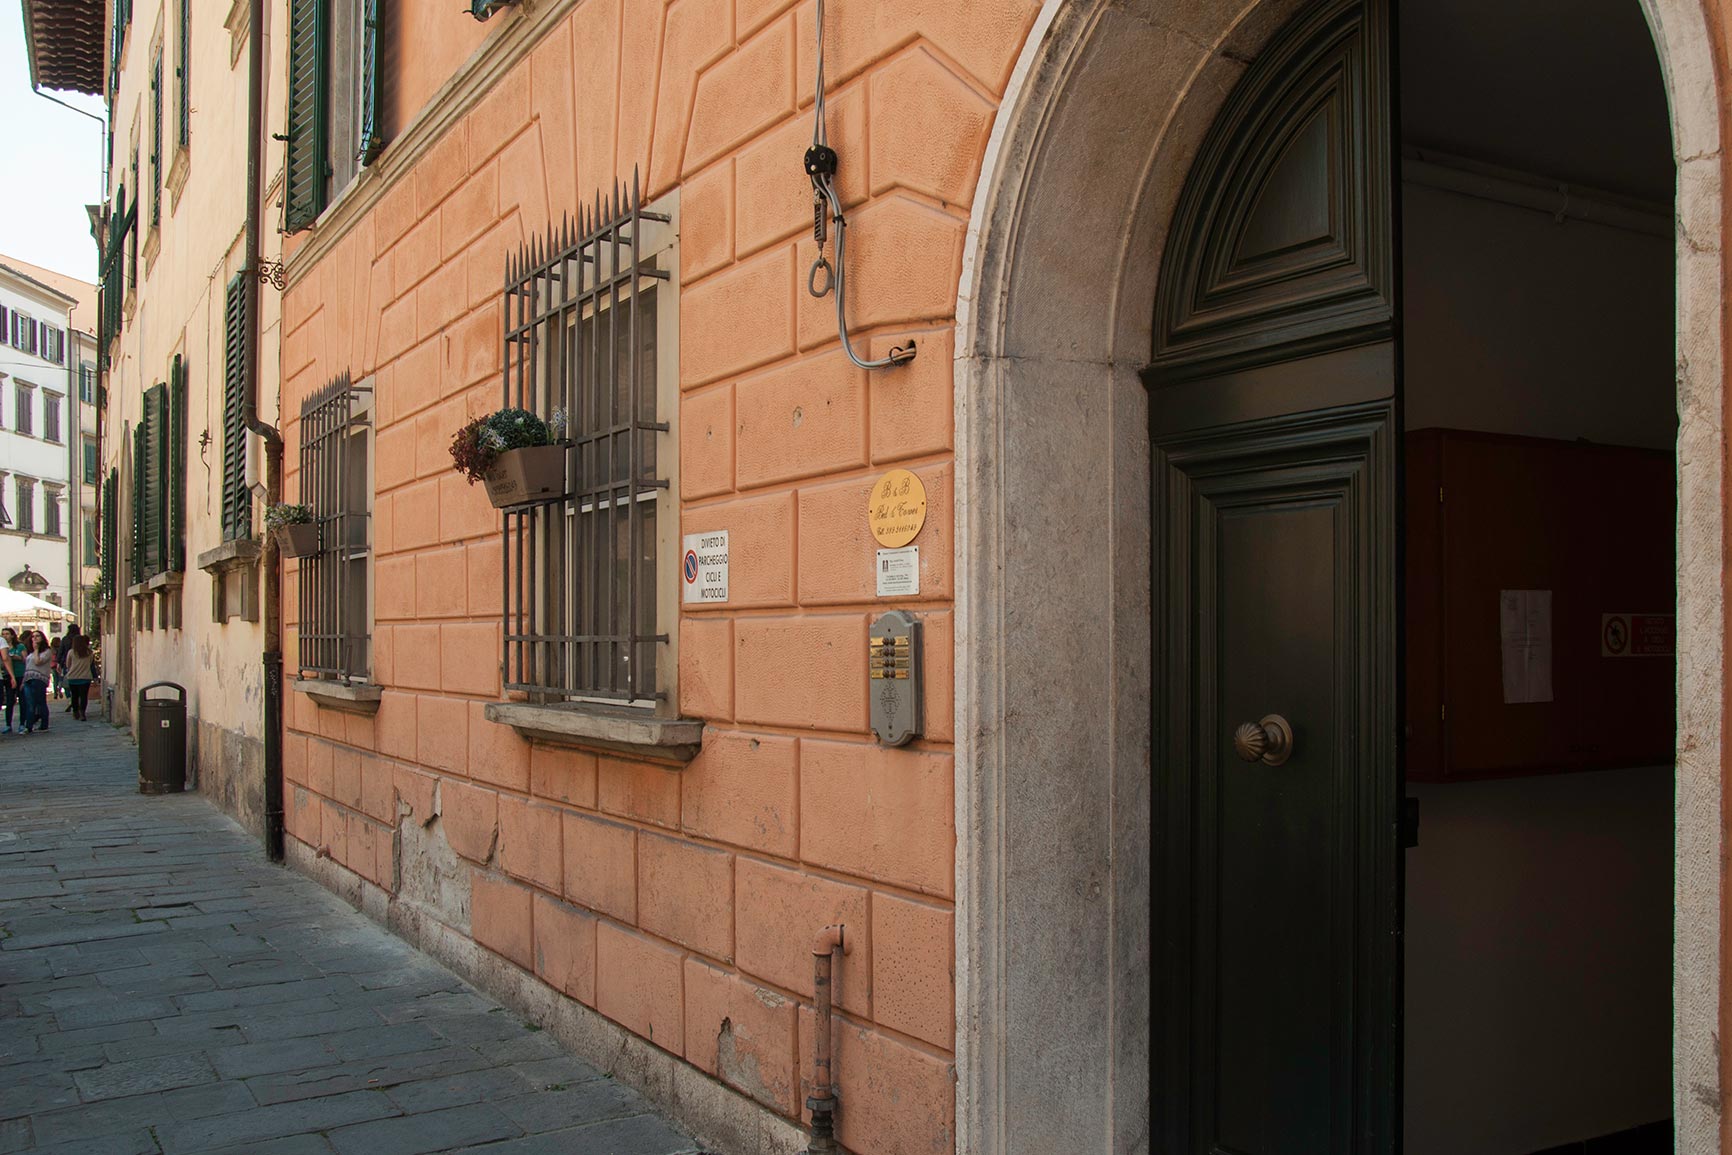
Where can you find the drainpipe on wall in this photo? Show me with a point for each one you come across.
(822, 1101)
(273, 609)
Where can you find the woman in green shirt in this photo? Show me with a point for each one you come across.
(11, 674)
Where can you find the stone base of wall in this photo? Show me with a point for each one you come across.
(726, 1121)
(229, 768)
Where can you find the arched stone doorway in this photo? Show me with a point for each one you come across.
(1091, 149)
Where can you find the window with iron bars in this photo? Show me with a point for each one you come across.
(592, 331)
(336, 437)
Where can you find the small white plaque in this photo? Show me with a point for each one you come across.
(1525, 624)
(704, 566)
(899, 572)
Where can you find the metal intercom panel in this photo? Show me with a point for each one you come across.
(893, 673)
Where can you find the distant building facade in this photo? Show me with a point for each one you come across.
(84, 486)
(39, 438)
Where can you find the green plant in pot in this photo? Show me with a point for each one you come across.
(295, 528)
(517, 455)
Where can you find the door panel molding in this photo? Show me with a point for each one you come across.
(1281, 245)
(1341, 462)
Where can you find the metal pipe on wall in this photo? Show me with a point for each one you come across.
(273, 609)
(822, 1101)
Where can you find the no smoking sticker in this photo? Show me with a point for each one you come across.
(1638, 635)
(704, 567)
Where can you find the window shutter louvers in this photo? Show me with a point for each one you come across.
(372, 102)
(174, 547)
(305, 159)
(153, 489)
(237, 502)
(156, 141)
(185, 72)
(106, 517)
(140, 477)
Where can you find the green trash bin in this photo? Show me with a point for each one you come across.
(162, 740)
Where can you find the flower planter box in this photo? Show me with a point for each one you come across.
(525, 476)
(298, 540)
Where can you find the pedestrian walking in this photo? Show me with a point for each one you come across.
(39, 667)
(79, 667)
(11, 676)
(62, 648)
(58, 645)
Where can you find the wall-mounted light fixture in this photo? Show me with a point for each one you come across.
(482, 9)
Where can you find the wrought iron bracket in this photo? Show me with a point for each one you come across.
(271, 273)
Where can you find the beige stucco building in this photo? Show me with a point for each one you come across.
(180, 591)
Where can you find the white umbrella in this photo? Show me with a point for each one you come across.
(16, 605)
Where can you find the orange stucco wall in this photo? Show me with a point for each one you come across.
(681, 903)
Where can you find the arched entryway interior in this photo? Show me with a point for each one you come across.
(1541, 419)
(1060, 762)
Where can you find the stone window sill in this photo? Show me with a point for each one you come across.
(178, 168)
(348, 697)
(673, 741)
(167, 579)
(241, 551)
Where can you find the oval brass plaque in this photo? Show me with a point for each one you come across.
(896, 511)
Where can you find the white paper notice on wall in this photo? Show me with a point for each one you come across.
(1525, 624)
(899, 572)
(704, 566)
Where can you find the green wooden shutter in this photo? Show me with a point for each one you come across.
(372, 99)
(153, 490)
(184, 72)
(305, 158)
(237, 502)
(140, 478)
(108, 513)
(174, 552)
(156, 141)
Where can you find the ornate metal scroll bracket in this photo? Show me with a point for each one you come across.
(271, 273)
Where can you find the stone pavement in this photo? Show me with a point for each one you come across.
(163, 988)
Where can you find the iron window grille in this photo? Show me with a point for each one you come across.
(591, 330)
(336, 481)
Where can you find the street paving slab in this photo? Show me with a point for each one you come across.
(166, 990)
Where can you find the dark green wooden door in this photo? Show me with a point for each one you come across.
(1273, 393)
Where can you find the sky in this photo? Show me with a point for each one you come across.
(53, 164)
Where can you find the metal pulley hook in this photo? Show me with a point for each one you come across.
(821, 164)
(820, 268)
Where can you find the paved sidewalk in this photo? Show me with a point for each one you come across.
(165, 989)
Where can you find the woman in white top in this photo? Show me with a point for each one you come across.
(39, 667)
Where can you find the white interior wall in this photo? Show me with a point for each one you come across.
(1539, 909)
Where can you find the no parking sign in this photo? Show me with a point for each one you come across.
(704, 567)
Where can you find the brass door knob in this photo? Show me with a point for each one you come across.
(1269, 741)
